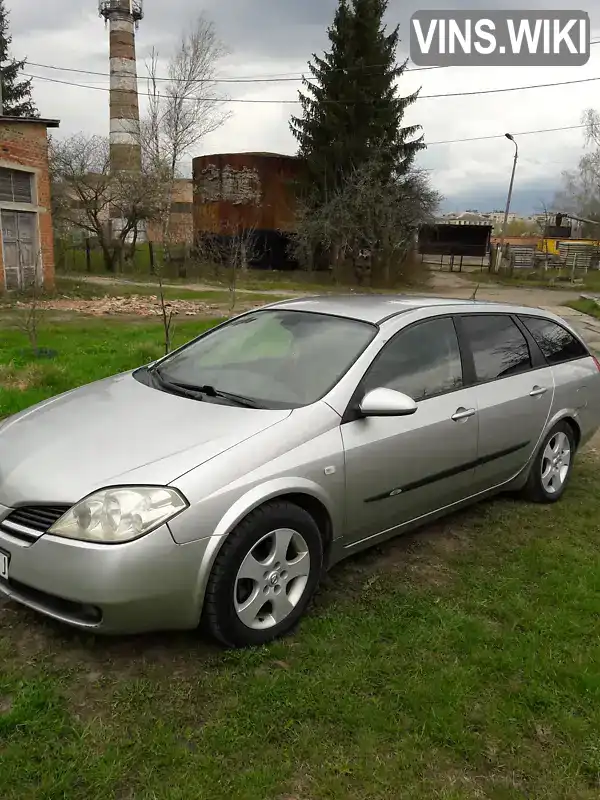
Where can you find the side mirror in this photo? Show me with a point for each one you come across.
(387, 403)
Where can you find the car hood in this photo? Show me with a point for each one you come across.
(115, 431)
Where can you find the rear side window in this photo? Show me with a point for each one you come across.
(498, 346)
(556, 343)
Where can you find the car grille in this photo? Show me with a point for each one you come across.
(28, 523)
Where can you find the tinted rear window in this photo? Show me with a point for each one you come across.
(499, 348)
(556, 343)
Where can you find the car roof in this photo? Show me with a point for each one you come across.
(376, 308)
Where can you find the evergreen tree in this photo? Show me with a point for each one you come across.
(16, 94)
(352, 111)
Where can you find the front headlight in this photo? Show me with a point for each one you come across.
(119, 514)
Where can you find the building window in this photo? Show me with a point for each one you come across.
(16, 186)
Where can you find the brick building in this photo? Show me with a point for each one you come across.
(181, 224)
(27, 245)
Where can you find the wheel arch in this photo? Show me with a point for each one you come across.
(303, 493)
(575, 426)
(569, 416)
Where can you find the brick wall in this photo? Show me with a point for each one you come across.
(25, 144)
(181, 227)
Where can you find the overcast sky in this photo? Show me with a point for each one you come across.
(268, 37)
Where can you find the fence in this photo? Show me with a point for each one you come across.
(522, 257)
(86, 256)
(579, 256)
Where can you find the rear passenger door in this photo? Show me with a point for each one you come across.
(515, 389)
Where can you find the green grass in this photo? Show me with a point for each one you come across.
(459, 663)
(465, 667)
(74, 263)
(86, 351)
(586, 307)
(73, 259)
(257, 280)
(253, 281)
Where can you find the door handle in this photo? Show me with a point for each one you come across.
(537, 391)
(463, 413)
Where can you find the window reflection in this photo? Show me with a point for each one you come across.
(499, 348)
(421, 362)
(554, 341)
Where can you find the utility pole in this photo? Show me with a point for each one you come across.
(509, 198)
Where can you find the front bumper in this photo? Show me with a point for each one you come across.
(147, 585)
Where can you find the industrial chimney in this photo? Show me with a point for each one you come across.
(123, 17)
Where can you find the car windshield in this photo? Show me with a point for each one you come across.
(276, 358)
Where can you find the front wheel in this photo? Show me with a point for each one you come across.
(264, 576)
(552, 466)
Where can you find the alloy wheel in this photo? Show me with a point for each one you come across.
(556, 463)
(271, 579)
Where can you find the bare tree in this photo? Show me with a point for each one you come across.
(369, 223)
(87, 197)
(580, 189)
(181, 112)
(188, 106)
(31, 289)
(166, 312)
(232, 249)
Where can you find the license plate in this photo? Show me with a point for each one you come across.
(4, 566)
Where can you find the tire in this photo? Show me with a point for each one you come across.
(540, 489)
(260, 586)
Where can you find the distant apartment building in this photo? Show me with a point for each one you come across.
(27, 239)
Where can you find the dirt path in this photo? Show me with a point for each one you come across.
(443, 284)
(101, 280)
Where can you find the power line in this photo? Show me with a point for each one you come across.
(429, 144)
(337, 102)
(268, 78)
(502, 135)
(275, 78)
(509, 89)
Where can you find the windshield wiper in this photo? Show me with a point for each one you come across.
(176, 388)
(238, 399)
(200, 392)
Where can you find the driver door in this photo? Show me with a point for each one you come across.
(401, 468)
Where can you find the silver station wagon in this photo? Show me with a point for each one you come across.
(215, 485)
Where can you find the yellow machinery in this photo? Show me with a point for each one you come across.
(550, 246)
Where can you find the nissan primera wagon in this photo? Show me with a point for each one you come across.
(216, 484)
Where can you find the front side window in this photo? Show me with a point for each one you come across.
(499, 348)
(556, 343)
(422, 361)
(278, 358)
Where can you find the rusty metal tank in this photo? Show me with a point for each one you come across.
(242, 191)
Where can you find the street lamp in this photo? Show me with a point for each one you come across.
(508, 199)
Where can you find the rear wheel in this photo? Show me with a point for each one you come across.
(265, 576)
(552, 466)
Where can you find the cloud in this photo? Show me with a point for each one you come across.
(279, 36)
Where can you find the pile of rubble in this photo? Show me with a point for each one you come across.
(135, 305)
